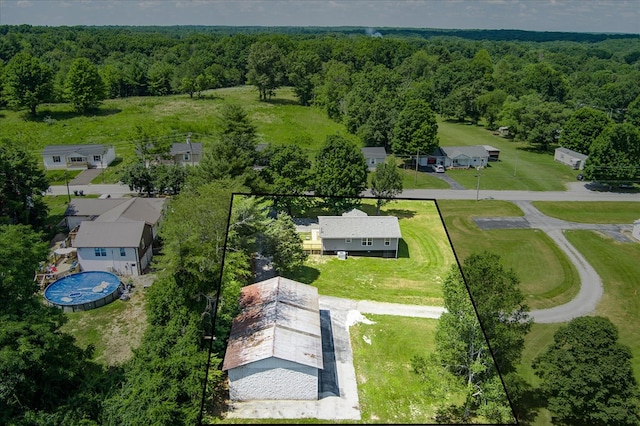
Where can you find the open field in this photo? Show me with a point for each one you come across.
(547, 277)
(388, 389)
(280, 121)
(414, 278)
(520, 167)
(591, 212)
(115, 329)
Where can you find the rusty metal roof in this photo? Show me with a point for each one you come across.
(280, 318)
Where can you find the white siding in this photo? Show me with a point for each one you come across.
(273, 378)
(636, 230)
(112, 262)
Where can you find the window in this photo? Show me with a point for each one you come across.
(99, 252)
(372, 161)
(347, 240)
(56, 159)
(76, 160)
(186, 157)
(97, 158)
(123, 251)
(387, 241)
(367, 241)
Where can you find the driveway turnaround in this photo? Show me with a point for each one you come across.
(590, 284)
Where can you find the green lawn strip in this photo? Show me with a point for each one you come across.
(617, 265)
(57, 177)
(421, 180)
(519, 168)
(114, 329)
(414, 278)
(388, 389)
(546, 275)
(591, 212)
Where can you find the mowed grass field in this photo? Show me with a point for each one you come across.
(547, 277)
(414, 278)
(520, 167)
(591, 212)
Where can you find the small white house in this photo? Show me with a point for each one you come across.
(274, 350)
(374, 155)
(571, 158)
(77, 157)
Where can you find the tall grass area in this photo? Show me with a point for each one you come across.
(279, 121)
(547, 277)
(424, 258)
(521, 166)
(388, 389)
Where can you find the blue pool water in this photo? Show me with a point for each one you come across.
(85, 290)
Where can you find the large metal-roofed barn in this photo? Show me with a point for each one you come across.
(275, 345)
(357, 233)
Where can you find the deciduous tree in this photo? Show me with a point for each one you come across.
(586, 375)
(265, 68)
(84, 86)
(386, 182)
(28, 82)
(284, 244)
(615, 154)
(340, 170)
(416, 131)
(584, 126)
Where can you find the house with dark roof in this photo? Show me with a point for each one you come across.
(274, 351)
(114, 234)
(77, 157)
(374, 155)
(359, 234)
(180, 153)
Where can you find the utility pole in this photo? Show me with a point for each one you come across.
(190, 147)
(67, 182)
(417, 157)
(478, 186)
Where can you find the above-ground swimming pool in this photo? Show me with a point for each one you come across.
(83, 291)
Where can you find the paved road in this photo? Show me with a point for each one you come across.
(114, 190)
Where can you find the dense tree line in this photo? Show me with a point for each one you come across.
(535, 86)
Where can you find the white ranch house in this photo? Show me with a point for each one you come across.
(357, 233)
(458, 156)
(274, 350)
(77, 157)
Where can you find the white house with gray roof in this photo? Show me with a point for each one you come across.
(77, 157)
(357, 233)
(274, 351)
(115, 234)
(458, 157)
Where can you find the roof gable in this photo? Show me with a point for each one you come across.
(78, 150)
(280, 318)
(185, 148)
(359, 227)
(373, 152)
(109, 234)
(466, 151)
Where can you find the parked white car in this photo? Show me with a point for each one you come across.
(440, 168)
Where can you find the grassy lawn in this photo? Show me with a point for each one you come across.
(519, 168)
(115, 329)
(591, 212)
(414, 278)
(388, 389)
(421, 180)
(547, 277)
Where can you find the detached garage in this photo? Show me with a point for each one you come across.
(275, 346)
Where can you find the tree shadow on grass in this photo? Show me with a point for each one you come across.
(400, 213)
(50, 117)
(403, 249)
(303, 274)
(280, 101)
(526, 408)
